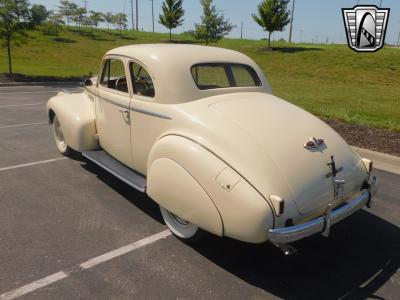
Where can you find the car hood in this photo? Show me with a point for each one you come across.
(262, 137)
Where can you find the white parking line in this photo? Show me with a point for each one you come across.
(18, 292)
(23, 87)
(33, 286)
(23, 125)
(32, 164)
(18, 105)
(54, 91)
(21, 93)
(123, 250)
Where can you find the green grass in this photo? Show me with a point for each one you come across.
(330, 81)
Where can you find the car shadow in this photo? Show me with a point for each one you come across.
(138, 199)
(362, 253)
(187, 42)
(63, 40)
(289, 49)
(360, 256)
(128, 38)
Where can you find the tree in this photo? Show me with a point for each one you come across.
(12, 30)
(67, 9)
(21, 9)
(273, 15)
(213, 26)
(96, 18)
(172, 15)
(86, 21)
(108, 18)
(55, 21)
(79, 17)
(120, 20)
(38, 15)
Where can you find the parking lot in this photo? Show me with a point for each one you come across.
(69, 230)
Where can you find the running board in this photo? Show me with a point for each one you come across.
(110, 164)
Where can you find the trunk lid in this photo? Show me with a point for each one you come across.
(280, 130)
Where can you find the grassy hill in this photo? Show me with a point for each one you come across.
(328, 80)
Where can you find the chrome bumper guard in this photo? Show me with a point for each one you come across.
(281, 236)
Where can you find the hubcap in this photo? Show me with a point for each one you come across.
(179, 220)
(180, 227)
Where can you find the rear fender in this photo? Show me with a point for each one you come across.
(183, 176)
(182, 195)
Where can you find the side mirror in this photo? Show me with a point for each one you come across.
(88, 82)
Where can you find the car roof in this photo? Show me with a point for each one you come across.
(179, 53)
(170, 68)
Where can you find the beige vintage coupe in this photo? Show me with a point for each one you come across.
(198, 130)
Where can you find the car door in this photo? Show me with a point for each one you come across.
(112, 110)
(146, 123)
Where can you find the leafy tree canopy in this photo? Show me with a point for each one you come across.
(108, 18)
(172, 14)
(38, 15)
(121, 21)
(272, 15)
(213, 26)
(13, 17)
(96, 18)
(67, 9)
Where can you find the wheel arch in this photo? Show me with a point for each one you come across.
(51, 115)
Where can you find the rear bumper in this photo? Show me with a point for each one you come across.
(322, 224)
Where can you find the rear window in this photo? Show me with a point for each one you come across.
(224, 75)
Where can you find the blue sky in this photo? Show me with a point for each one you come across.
(314, 20)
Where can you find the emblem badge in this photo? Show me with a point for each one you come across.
(313, 143)
(366, 27)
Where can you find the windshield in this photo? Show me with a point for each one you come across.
(224, 75)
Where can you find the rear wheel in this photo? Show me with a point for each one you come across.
(181, 228)
(59, 138)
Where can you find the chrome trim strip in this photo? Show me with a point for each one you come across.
(150, 113)
(294, 233)
(115, 174)
(114, 102)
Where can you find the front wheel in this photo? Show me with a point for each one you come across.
(59, 138)
(181, 228)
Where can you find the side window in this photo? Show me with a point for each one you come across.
(114, 76)
(141, 81)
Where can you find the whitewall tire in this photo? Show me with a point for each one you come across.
(180, 227)
(59, 138)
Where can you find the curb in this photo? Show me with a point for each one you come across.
(39, 83)
(381, 161)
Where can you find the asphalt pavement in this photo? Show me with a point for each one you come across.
(69, 230)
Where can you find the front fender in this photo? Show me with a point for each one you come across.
(76, 115)
(182, 174)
